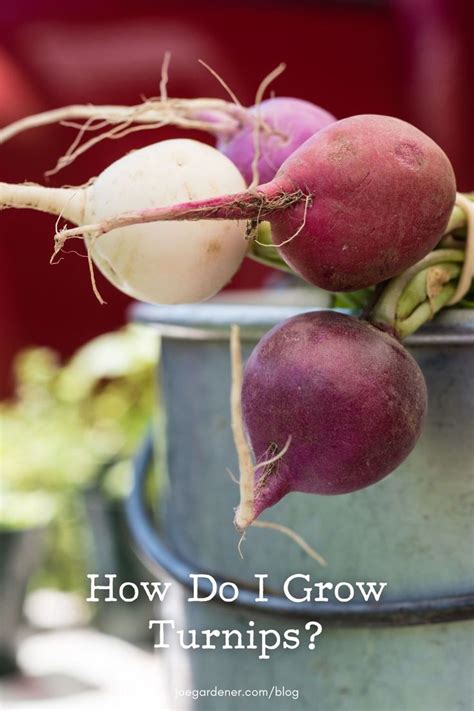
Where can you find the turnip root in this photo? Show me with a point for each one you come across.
(184, 113)
(269, 131)
(331, 404)
(356, 204)
(173, 263)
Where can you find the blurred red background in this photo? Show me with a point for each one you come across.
(409, 58)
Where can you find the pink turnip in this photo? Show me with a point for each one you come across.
(293, 120)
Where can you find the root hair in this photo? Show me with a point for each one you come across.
(221, 81)
(266, 81)
(164, 76)
(295, 537)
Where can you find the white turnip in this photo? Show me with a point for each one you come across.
(160, 263)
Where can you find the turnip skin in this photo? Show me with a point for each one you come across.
(349, 395)
(298, 120)
(170, 263)
(382, 195)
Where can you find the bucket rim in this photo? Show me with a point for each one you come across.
(212, 320)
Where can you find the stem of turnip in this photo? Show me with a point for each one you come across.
(458, 217)
(467, 273)
(403, 294)
(426, 285)
(415, 296)
(425, 312)
(67, 202)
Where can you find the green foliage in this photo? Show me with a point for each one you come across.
(355, 300)
(25, 510)
(66, 423)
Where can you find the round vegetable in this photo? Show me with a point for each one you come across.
(382, 193)
(346, 399)
(293, 120)
(357, 203)
(160, 263)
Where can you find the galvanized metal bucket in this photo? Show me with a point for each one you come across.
(412, 651)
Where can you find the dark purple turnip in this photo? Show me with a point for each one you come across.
(343, 398)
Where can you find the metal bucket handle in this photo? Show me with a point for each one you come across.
(161, 561)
